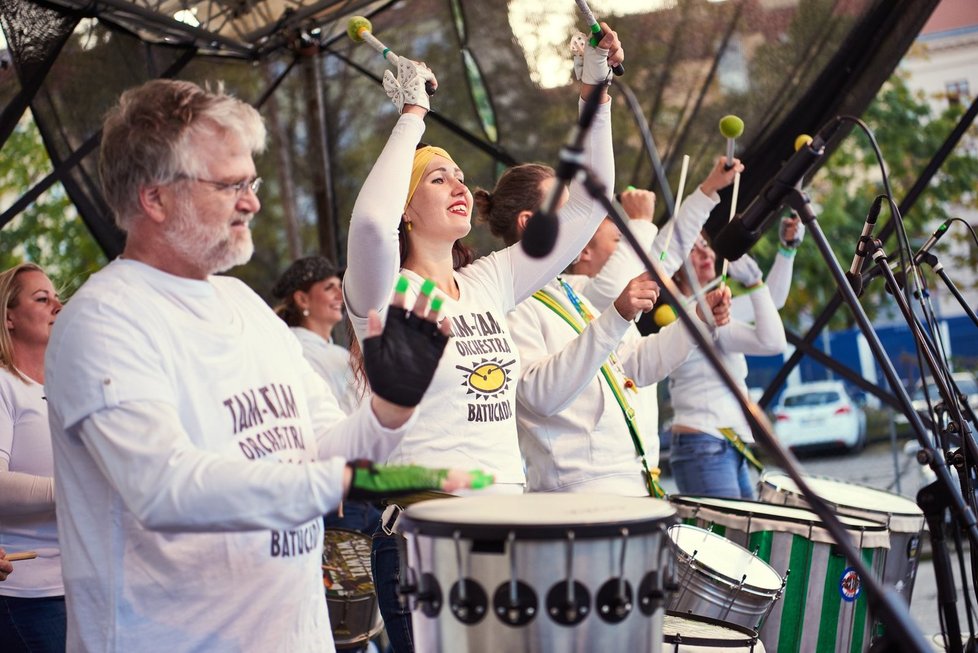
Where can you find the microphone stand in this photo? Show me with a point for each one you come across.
(931, 259)
(935, 498)
(902, 632)
(799, 201)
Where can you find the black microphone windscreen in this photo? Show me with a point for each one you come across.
(540, 234)
(734, 240)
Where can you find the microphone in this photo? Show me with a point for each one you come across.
(853, 275)
(360, 29)
(596, 32)
(731, 127)
(934, 237)
(540, 233)
(740, 234)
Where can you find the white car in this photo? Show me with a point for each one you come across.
(965, 381)
(819, 413)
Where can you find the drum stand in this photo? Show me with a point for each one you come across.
(902, 632)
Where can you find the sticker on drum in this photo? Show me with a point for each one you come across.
(350, 598)
(720, 579)
(574, 571)
(688, 633)
(902, 516)
(822, 607)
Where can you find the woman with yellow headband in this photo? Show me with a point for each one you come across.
(408, 219)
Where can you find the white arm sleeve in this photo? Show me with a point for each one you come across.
(373, 255)
(779, 279)
(169, 484)
(579, 217)
(621, 267)
(552, 380)
(651, 358)
(24, 494)
(763, 338)
(685, 228)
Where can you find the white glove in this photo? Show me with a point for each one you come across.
(799, 233)
(745, 270)
(408, 87)
(590, 63)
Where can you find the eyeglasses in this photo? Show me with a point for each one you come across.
(239, 187)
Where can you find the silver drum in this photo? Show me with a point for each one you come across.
(537, 572)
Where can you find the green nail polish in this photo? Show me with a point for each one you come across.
(630, 187)
(436, 304)
(427, 287)
(402, 285)
(480, 479)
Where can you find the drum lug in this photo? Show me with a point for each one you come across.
(515, 602)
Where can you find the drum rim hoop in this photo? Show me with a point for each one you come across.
(687, 500)
(751, 634)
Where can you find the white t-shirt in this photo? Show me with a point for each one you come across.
(331, 362)
(572, 430)
(27, 520)
(190, 446)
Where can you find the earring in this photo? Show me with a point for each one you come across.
(305, 312)
(407, 225)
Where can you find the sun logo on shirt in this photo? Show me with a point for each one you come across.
(488, 378)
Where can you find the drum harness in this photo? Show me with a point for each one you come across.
(651, 475)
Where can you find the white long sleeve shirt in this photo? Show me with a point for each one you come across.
(467, 417)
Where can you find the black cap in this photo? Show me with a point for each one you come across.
(303, 273)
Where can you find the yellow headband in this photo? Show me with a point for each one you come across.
(422, 157)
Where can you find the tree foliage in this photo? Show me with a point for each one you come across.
(49, 232)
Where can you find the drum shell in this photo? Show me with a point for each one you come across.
(706, 592)
(906, 526)
(813, 614)
(540, 562)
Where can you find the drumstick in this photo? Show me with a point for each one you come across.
(733, 212)
(358, 28)
(23, 555)
(679, 203)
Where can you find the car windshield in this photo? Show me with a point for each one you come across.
(811, 399)
(966, 386)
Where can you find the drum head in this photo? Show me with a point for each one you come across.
(849, 495)
(694, 630)
(721, 556)
(758, 511)
(537, 516)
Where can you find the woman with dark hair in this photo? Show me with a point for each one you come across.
(408, 219)
(311, 303)
(586, 395)
(710, 450)
(32, 602)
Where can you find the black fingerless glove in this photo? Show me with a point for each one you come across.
(401, 361)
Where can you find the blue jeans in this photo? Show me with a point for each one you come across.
(357, 516)
(32, 625)
(386, 563)
(706, 465)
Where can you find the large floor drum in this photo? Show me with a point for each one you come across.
(538, 572)
(903, 518)
(823, 608)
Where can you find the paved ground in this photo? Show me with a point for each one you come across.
(876, 467)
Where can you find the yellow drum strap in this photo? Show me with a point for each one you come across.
(741, 447)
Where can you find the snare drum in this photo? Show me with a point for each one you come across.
(688, 633)
(538, 572)
(903, 518)
(721, 580)
(350, 599)
(823, 608)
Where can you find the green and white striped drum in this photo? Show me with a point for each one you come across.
(823, 608)
(903, 518)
